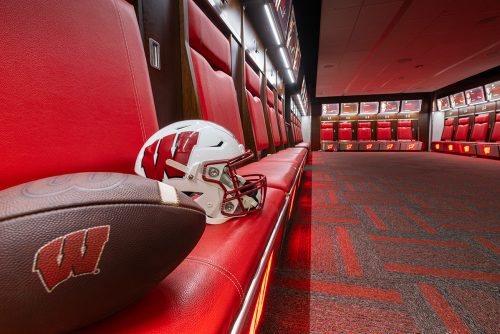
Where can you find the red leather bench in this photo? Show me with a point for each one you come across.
(281, 120)
(255, 109)
(272, 117)
(67, 113)
(217, 95)
(224, 288)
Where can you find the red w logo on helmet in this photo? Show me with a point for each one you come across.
(164, 149)
(71, 255)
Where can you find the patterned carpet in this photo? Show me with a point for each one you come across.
(391, 243)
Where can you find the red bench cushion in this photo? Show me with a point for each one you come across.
(364, 131)
(64, 111)
(383, 131)
(326, 132)
(480, 128)
(258, 122)
(207, 290)
(286, 157)
(462, 132)
(404, 130)
(306, 145)
(282, 128)
(345, 131)
(279, 175)
(208, 40)
(447, 130)
(274, 125)
(495, 133)
(252, 81)
(211, 64)
(270, 97)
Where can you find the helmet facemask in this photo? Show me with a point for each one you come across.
(242, 193)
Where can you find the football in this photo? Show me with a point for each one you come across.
(77, 248)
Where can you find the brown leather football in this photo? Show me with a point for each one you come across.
(77, 248)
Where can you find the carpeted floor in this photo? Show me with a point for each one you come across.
(391, 243)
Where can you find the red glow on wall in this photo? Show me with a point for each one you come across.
(487, 150)
(257, 313)
(437, 146)
(450, 147)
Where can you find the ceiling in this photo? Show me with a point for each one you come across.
(403, 46)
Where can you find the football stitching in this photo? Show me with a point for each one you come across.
(90, 205)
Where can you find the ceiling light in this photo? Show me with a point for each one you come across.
(302, 109)
(270, 18)
(284, 57)
(290, 75)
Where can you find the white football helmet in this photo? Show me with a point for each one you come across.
(200, 159)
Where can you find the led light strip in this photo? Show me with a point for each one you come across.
(302, 109)
(290, 75)
(284, 57)
(270, 18)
